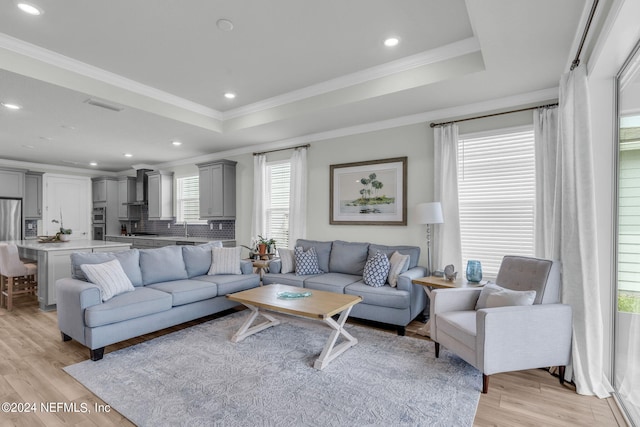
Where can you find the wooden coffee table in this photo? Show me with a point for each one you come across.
(320, 305)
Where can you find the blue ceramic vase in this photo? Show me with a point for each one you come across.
(474, 271)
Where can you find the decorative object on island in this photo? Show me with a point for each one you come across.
(427, 214)
(474, 271)
(450, 272)
(369, 193)
(63, 234)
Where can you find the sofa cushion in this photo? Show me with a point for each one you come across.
(348, 258)
(306, 261)
(376, 270)
(129, 260)
(110, 278)
(383, 296)
(323, 250)
(162, 265)
(398, 264)
(331, 282)
(130, 305)
(230, 283)
(284, 279)
(460, 325)
(412, 251)
(225, 261)
(187, 291)
(197, 259)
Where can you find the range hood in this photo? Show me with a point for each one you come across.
(142, 185)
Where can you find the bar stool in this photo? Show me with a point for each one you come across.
(16, 277)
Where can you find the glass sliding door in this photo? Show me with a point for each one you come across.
(627, 310)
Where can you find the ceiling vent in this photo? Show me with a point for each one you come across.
(102, 104)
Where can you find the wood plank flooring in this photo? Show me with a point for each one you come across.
(32, 356)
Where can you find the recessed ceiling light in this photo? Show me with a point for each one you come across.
(93, 164)
(46, 138)
(128, 155)
(29, 147)
(29, 8)
(176, 143)
(11, 106)
(68, 127)
(224, 24)
(230, 95)
(391, 42)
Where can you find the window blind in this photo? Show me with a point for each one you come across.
(188, 200)
(496, 184)
(277, 206)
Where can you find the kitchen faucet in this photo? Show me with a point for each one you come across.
(186, 230)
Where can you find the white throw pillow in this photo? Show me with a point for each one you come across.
(225, 261)
(493, 295)
(399, 264)
(109, 277)
(287, 260)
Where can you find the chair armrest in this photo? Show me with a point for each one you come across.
(404, 279)
(523, 337)
(246, 267)
(453, 299)
(73, 297)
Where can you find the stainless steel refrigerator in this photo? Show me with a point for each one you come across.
(10, 219)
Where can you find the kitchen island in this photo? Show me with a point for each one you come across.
(54, 262)
(146, 241)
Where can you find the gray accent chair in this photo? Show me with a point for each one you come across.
(505, 339)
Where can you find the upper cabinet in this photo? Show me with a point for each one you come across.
(127, 194)
(99, 190)
(33, 195)
(217, 183)
(160, 195)
(12, 183)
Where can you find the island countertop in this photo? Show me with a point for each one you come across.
(65, 246)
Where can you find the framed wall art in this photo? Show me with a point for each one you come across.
(369, 193)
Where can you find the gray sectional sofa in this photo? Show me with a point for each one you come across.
(343, 265)
(171, 287)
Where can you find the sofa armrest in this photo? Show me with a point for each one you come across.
(404, 279)
(246, 267)
(73, 297)
(275, 266)
(523, 337)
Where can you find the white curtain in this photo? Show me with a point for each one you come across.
(298, 197)
(447, 242)
(259, 217)
(568, 210)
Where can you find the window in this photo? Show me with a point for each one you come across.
(277, 201)
(188, 200)
(496, 184)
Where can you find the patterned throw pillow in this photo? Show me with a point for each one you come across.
(225, 261)
(306, 262)
(376, 270)
(399, 264)
(110, 278)
(287, 260)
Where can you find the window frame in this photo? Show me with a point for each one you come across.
(179, 201)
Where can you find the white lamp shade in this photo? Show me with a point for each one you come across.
(429, 213)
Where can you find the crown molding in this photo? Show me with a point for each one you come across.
(51, 168)
(539, 96)
(66, 63)
(432, 56)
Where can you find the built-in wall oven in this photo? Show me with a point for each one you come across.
(98, 218)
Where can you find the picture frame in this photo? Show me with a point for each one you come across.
(372, 192)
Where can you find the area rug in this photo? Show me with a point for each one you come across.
(198, 377)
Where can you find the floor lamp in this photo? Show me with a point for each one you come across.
(429, 213)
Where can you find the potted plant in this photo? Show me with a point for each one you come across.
(63, 234)
(265, 245)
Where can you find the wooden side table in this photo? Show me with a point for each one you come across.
(261, 266)
(432, 282)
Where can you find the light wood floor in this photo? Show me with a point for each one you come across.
(32, 356)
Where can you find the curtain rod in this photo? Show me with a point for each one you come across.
(576, 60)
(282, 149)
(494, 114)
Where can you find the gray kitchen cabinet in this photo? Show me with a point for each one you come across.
(12, 183)
(99, 190)
(160, 195)
(217, 183)
(127, 194)
(33, 195)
